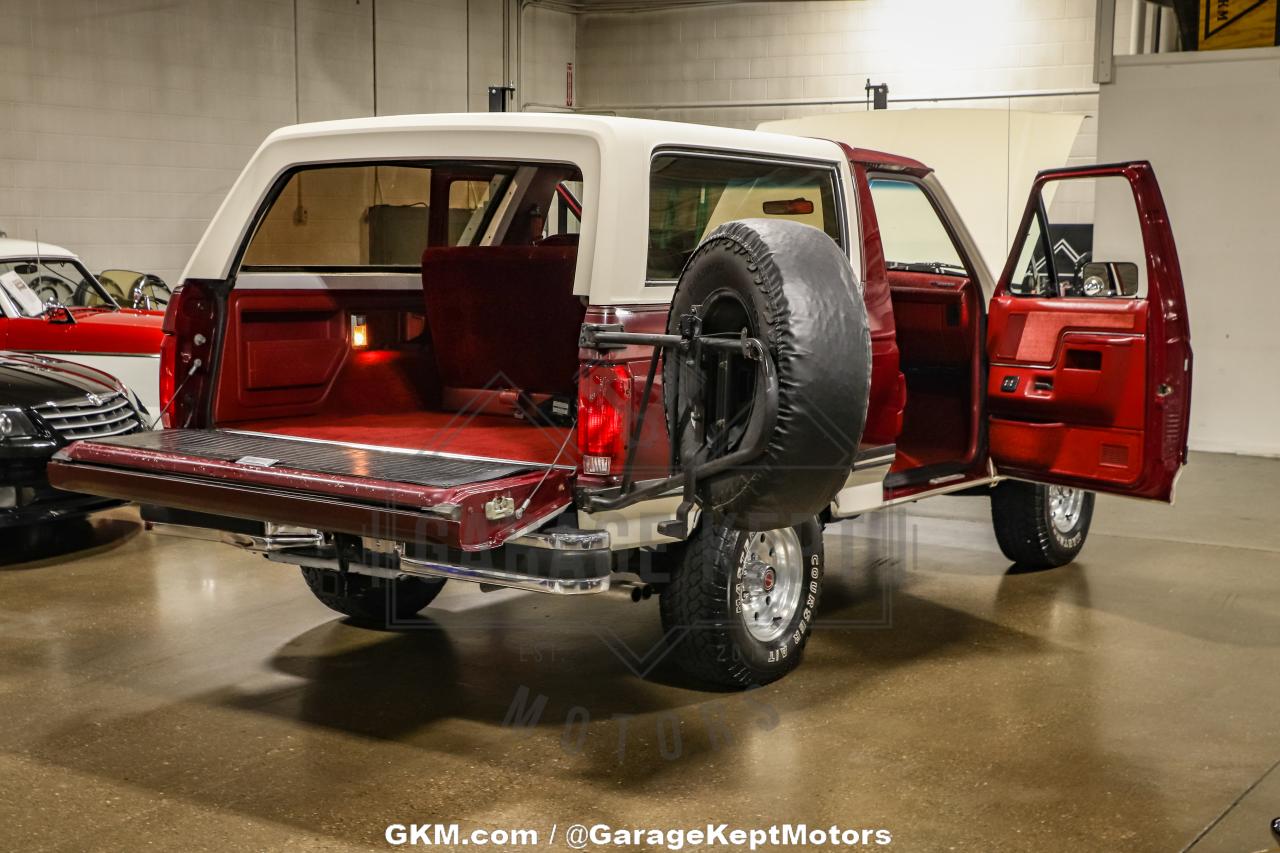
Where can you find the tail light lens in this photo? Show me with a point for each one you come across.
(185, 353)
(168, 369)
(604, 417)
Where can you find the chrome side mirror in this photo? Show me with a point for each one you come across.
(56, 312)
(1108, 278)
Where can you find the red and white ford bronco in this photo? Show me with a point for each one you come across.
(570, 353)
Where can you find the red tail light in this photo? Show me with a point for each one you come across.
(604, 416)
(168, 368)
(185, 353)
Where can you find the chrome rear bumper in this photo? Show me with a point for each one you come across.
(500, 577)
(276, 537)
(556, 561)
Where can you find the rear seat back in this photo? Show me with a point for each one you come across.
(503, 317)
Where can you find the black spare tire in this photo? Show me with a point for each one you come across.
(791, 286)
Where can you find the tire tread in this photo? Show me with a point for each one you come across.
(371, 603)
(697, 601)
(1020, 517)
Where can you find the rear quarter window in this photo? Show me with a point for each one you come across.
(691, 194)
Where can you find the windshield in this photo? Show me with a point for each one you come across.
(63, 281)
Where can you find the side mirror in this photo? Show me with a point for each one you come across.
(55, 313)
(1109, 278)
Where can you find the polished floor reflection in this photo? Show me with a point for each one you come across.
(173, 694)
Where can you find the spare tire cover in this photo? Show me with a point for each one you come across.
(791, 286)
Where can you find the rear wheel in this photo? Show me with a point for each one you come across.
(1040, 526)
(741, 604)
(369, 600)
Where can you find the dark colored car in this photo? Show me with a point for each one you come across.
(45, 404)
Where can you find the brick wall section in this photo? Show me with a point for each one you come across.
(123, 124)
(780, 50)
(549, 41)
(828, 48)
(119, 132)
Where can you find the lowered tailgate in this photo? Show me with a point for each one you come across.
(387, 493)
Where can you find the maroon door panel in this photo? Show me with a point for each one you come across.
(888, 394)
(934, 318)
(1091, 391)
(288, 353)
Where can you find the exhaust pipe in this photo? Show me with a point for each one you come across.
(633, 590)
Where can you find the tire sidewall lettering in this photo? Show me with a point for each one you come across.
(790, 642)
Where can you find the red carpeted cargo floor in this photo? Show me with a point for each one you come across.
(493, 436)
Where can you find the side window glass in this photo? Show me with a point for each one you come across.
(1084, 241)
(564, 215)
(913, 235)
(468, 202)
(383, 216)
(1031, 273)
(346, 216)
(691, 195)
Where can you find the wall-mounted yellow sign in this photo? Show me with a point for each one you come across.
(1227, 24)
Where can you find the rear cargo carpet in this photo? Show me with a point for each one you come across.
(492, 436)
(415, 468)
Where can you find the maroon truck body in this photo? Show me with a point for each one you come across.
(1101, 393)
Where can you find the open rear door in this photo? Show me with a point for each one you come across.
(1089, 349)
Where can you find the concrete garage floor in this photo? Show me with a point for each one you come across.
(159, 693)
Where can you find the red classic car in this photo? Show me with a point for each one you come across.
(50, 304)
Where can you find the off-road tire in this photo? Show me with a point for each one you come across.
(701, 617)
(791, 286)
(371, 601)
(1021, 515)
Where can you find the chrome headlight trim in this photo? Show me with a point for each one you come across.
(14, 423)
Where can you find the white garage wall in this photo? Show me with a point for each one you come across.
(119, 128)
(1208, 123)
(789, 50)
(731, 65)
(123, 123)
(548, 42)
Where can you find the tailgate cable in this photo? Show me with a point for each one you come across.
(568, 434)
(195, 365)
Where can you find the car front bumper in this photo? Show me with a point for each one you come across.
(38, 503)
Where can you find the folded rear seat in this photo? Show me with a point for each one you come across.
(504, 322)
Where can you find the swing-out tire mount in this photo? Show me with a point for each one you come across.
(766, 375)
